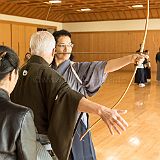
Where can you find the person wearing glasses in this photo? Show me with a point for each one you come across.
(85, 78)
(27, 57)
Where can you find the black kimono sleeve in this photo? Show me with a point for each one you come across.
(62, 114)
(53, 102)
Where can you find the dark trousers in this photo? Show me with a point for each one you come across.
(82, 150)
(148, 72)
(140, 76)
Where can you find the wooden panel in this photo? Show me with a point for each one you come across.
(17, 36)
(5, 34)
(91, 46)
(18, 40)
(29, 30)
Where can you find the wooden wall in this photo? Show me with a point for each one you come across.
(5, 34)
(91, 46)
(17, 36)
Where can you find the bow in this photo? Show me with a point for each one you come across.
(126, 90)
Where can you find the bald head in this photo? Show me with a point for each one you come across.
(42, 43)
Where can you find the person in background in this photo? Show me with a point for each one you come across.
(54, 104)
(27, 57)
(147, 66)
(17, 133)
(158, 65)
(85, 78)
(140, 77)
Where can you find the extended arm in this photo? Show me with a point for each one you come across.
(111, 117)
(116, 64)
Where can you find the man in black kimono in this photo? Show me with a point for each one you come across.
(54, 104)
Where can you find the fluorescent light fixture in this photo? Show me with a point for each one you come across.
(55, 1)
(137, 6)
(84, 9)
(46, 2)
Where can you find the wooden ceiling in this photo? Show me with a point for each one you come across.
(67, 11)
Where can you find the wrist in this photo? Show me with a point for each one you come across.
(133, 58)
(99, 111)
(102, 109)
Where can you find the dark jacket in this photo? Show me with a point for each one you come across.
(53, 102)
(17, 131)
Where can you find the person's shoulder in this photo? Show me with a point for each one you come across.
(52, 75)
(18, 110)
(39, 70)
(49, 71)
(15, 114)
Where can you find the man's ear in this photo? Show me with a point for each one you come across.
(54, 52)
(10, 75)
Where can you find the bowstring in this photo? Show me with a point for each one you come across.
(124, 93)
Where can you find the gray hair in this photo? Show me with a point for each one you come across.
(42, 42)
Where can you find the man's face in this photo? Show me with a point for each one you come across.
(63, 48)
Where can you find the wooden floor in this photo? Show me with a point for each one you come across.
(141, 141)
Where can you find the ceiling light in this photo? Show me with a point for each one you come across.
(46, 2)
(55, 1)
(84, 9)
(137, 6)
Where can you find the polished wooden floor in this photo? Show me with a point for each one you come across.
(141, 141)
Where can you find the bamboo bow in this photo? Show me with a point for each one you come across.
(126, 90)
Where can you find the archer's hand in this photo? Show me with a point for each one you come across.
(113, 119)
(138, 58)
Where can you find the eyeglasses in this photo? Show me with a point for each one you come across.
(71, 45)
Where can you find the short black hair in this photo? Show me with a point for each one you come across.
(8, 61)
(60, 33)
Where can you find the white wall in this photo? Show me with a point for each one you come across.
(122, 25)
(30, 21)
